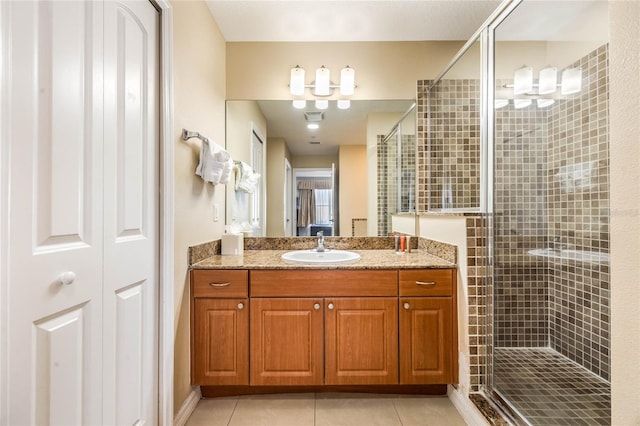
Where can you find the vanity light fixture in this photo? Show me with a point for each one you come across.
(571, 81)
(547, 80)
(523, 80)
(521, 103)
(547, 83)
(543, 103)
(344, 103)
(501, 103)
(322, 86)
(322, 103)
(299, 103)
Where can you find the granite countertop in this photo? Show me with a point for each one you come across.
(370, 259)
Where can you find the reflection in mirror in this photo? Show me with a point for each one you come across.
(452, 140)
(371, 145)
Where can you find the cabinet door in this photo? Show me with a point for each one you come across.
(221, 350)
(286, 341)
(361, 339)
(426, 340)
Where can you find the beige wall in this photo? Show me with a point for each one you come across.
(352, 182)
(383, 70)
(199, 94)
(624, 98)
(277, 151)
(314, 161)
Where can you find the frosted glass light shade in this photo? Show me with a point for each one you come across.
(344, 103)
(543, 103)
(548, 80)
(347, 81)
(521, 103)
(322, 103)
(523, 81)
(296, 81)
(299, 103)
(571, 81)
(500, 103)
(323, 80)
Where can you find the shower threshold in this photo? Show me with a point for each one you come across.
(547, 388)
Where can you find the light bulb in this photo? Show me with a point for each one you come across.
(571, 81)
(347, 81)
(323, 80)
(296, 82)
(547, 80)
(523, 81)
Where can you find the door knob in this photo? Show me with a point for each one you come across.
(67, 278)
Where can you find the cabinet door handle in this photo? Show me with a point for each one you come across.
(316, 306)
(426, 283)
(220, 284)
(330, 306)
(406, 305)
(240, 306)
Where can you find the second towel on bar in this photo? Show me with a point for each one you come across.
(215, 164)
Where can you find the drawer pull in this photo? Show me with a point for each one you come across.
(240, 306)
(316, 306)
(406, 305)
(426, 283)
(220, 284)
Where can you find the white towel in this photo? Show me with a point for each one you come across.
(246, 178)
(213, 162)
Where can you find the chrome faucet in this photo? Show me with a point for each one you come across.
(320, 236)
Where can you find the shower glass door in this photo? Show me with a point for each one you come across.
(550, 213)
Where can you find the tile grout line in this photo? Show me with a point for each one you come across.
(233, 411)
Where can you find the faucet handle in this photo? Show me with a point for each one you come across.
(320, 234)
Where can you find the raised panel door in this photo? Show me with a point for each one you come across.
(286, 341)
(426, 340)
(221, 347)
(361, 341)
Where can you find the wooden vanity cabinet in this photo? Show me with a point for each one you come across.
(286, 341)
(331, 337)
(324, 327)
(361, 341)
(428, 336)
(219, 327)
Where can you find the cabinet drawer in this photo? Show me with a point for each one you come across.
(323, 283)
(220, 283)
(426, 282)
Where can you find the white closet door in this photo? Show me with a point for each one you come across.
(53, 124)
(131, 151)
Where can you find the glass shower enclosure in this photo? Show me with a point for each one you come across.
(549, 213)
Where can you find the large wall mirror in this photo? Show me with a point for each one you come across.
(346, 172)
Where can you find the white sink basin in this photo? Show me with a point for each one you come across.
(577, 255)
(312, 257)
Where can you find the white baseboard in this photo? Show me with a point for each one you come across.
(187, 408)
(466, 408)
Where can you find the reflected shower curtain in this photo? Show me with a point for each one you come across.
(307, 210)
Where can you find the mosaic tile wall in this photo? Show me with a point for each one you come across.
(578, 213)
(521, 305)
(449, 141)
(551, 183)
(388, 174)
(479, 288)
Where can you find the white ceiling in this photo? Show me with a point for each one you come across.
(350, 20)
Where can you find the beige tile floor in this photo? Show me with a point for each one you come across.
(326, 409)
